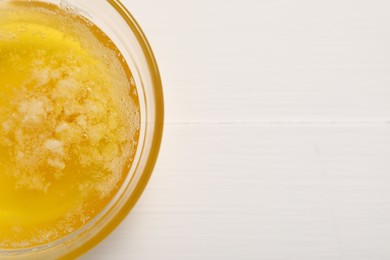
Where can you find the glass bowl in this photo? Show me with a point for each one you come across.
(115, 20)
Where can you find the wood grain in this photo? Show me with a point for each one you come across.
(280, 60)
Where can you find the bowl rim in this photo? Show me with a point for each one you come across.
(155, 139)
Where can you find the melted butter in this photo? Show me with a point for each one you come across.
(69, 122)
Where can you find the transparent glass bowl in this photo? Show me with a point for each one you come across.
(116, 21)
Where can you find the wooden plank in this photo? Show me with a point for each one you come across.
(254, 60)
(262, 192)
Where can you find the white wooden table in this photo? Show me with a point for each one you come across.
(277, 135)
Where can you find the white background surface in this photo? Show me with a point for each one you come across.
(277, 135)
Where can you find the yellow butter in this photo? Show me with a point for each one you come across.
(69, 122)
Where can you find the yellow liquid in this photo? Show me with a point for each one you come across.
(69, 122)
